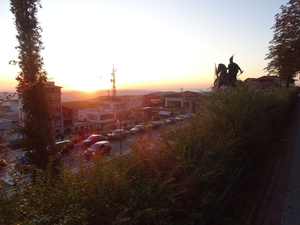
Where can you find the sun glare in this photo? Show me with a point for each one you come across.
(84, 85)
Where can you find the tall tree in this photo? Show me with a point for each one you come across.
(37, 130)
(284, 49)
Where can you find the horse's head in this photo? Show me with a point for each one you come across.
(221, 67)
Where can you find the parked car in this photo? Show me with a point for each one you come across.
(93, 139)
(137, 129)
(162, 121)
(62, 146)
(119, 133)
(65, 145)
(100, 147)
(189, 115)
(180, 118)
(154, 125)
(170, 121)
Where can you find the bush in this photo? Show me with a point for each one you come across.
(112, 126)
(99, 129)
(16, 143)
(176, 182)
(60, 136)
(75, 138)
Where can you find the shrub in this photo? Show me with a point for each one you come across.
(16, 143)
(112, 126)
(176, 182)
(99, 129)
(60, 136)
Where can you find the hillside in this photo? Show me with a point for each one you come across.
(78, 100)
(75, 96)
(87, 95)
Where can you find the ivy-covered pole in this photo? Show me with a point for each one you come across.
(37, 130)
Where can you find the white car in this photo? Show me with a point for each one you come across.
(137, 129)
(180, 117)
(119, 133)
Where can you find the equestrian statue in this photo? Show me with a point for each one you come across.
(227, 76)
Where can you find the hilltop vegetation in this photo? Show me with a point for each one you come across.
(174, 183)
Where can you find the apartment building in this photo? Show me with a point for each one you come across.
(53, 93)
(62, 117)
(109, 110)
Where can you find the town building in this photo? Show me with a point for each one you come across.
(269, 83)
(62, 117)
(169, 105)
(109, 110)
(101, 112)
(188, 100)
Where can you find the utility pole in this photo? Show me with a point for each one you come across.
(113, 80)
(100, 88)
(100, 94)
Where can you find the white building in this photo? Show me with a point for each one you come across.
(108, 112)
(187, 99)
(95, 115)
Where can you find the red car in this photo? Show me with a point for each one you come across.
(93, 139)
(100, 147)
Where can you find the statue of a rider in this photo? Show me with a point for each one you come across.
(222, 76)
(233, 70)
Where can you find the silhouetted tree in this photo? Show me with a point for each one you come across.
(284, 49)
(37, 130)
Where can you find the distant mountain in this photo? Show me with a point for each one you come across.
(87, 95)
(71, 96)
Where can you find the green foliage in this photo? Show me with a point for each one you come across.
(176, 182)
(37, 130)
(75, 139)
(284, 49)
(98, 129)
(112, 126)
(16, 143)
(125, 124)
(59, 135)
(5, 97)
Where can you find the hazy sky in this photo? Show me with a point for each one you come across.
(153, 44)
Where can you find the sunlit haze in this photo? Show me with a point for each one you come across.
(153, 44)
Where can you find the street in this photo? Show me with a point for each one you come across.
(76, 156)
(117, 145)
(73, 157)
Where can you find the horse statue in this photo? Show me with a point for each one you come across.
(227, 76)
(222, 76)
(233, 70)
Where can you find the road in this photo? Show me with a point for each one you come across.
(73, 158)
(74, 155)
(117, 145)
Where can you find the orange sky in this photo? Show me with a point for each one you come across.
(153, 44)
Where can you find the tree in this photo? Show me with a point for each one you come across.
(284, 49)
(112, 126)
(37, 129)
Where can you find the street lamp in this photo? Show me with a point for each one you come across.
(113, 113)
(120, 135)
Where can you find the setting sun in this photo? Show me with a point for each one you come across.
(153, 44)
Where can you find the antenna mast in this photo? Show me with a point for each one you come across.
(113, 80)
(100, 93)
